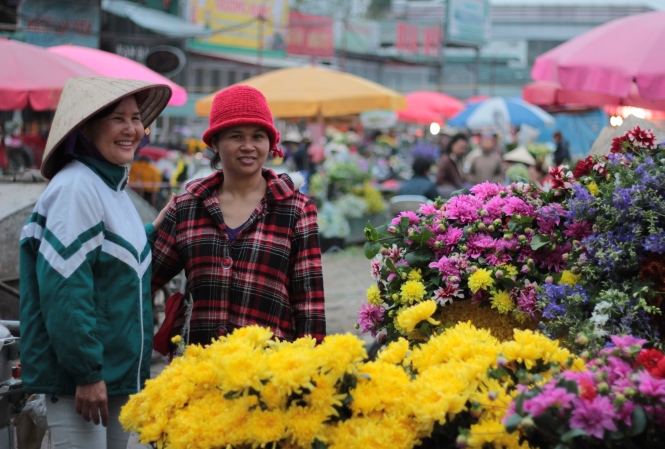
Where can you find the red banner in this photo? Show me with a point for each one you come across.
(310, 35)
(432, 41)
(406, 39)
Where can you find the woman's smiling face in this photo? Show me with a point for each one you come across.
(118, 134)
(242, 149)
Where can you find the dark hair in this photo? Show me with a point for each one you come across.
(421, 165)
(453, 140)
(557, 134)
(215, 160)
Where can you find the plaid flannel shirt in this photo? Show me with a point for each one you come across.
(270, 275)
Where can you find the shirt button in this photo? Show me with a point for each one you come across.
(227, 262)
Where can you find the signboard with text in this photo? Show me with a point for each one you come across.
(468, 22)
(48, 23)
(358, 36)
(310, 35)
(241, 25)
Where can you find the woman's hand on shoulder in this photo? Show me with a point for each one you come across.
(160, 218)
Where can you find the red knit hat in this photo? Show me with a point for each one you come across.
(241, 105)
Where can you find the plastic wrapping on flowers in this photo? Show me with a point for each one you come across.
(492, 246)
(616, 222)
(248, 390)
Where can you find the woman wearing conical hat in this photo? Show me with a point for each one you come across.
(85, 263)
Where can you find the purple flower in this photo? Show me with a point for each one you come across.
(578, 230)
(655, 243)
(412, 216)
(593, 417)
(370, 317)
(463, 208)
(487, 190)
(448, 266)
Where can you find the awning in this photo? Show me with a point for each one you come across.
(158, 21)
(186, 110)
(275, 63)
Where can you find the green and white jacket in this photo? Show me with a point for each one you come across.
(85, 263)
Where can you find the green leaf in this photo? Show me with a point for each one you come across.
(372, 249)
(419, 258)
(639, 421)
(370, 232)
(318, 444)
(512, 423)
(390, 264)
(424, 237)
(459, 192)
(404, 224)
(506, 283)
(572, 434)
(382, 232)
(561, 446)
(540, 240)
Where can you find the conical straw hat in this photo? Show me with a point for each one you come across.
(83, 97)
(520, 154)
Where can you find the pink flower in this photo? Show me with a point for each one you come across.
(376, 269)
(625, 412)
(594, 417)
(650, 386)
(478, 244)
(497, 258)
(428, 209)
(626, 341)
(494, 208)
(486, 190)
(370, 317)
(448, 266)
(394, 253)
(447, 293)
(516, 206)
(452, 235)
(526, 298)
(412, 216)
(550, 397)
(463, 208)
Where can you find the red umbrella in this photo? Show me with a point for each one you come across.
(549, 93)
(32, 76)
(116, 66)
(427, 107)
(610, 58)
(443, 104)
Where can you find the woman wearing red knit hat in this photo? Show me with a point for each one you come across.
(247, 239)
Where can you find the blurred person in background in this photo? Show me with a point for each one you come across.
(488, 165)
(420, 183)
(450, 174)
(562, 149)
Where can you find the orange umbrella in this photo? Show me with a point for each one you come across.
(316, 92)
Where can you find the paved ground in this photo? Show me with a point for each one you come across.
(346, 277)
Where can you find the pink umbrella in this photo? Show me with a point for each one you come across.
(419, 116)
(32, 76)
(116, 66)
(549, 93)
(610, 58)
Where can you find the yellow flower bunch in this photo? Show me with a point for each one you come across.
(265, 393)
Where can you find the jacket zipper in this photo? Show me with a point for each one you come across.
(138, 252)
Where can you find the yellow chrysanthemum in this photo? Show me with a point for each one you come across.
(374, 295)
(568, 278)
(593, 188)
(410, 317)
(511, 270)
(412, 291)
(176, 339)
(502, 302)
(490, 432)
(415, 275)
(395, 352)
(481, 279)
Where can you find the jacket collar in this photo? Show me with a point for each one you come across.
(114, 176)
(279, 188)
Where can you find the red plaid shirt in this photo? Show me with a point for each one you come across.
(270, 275)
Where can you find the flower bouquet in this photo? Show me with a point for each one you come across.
(491, 247)
(616, 222)
(247, 390)
(618, 403)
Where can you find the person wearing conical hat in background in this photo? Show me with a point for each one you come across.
(85, 264)
(524, 165)
(246, 237)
